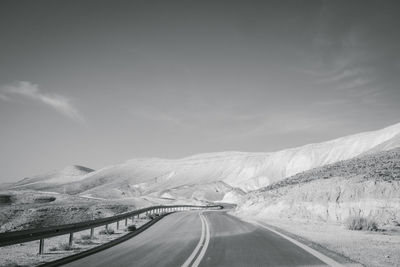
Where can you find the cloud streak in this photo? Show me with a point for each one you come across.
(227, 125)
(29, 90)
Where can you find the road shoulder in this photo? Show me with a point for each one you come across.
(275, 226)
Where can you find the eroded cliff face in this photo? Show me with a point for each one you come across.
(333, 199)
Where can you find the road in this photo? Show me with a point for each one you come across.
(211, 238)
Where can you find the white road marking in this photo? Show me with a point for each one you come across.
(203, 250)
(196, 250)
(317, 254)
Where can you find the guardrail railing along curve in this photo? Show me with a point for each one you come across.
(23, 236)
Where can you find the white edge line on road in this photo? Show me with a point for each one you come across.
(203, 250)
(196, 250)
(317, 254)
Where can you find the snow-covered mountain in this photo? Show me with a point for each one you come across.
(223, 173)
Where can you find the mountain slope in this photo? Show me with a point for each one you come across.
(67, 175)
(392, 143)
(367, 186)
(246, 171)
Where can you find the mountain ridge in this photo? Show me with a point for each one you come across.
(246, 171)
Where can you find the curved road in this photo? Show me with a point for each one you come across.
(211, 238)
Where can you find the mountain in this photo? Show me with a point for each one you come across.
(214, 174)
(392, 143)
(67, 175)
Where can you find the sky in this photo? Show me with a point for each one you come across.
(95, 83)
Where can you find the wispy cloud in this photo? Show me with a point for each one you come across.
(277, 124)
(4, 97)
(346, 61)
(345, 74)
(229, 125)
(152, 114)
(29, 90)
(192, 118)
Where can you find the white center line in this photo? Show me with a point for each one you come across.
(203, 250)
(196, 250)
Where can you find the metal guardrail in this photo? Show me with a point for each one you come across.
(18, 237)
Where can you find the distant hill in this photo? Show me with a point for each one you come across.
(67, 175)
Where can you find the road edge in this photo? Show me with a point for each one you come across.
(315, 253)
(102, 247)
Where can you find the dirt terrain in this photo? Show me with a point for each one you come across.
(28, 209)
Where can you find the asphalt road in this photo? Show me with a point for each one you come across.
(211, 238)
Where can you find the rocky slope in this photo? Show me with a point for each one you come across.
(367, 186)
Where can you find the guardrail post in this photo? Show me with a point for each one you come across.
(138, 216)
(91, 233)
(41, 246)
(71, 239)
(126, 221)
(107, 227)
(117, 225)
